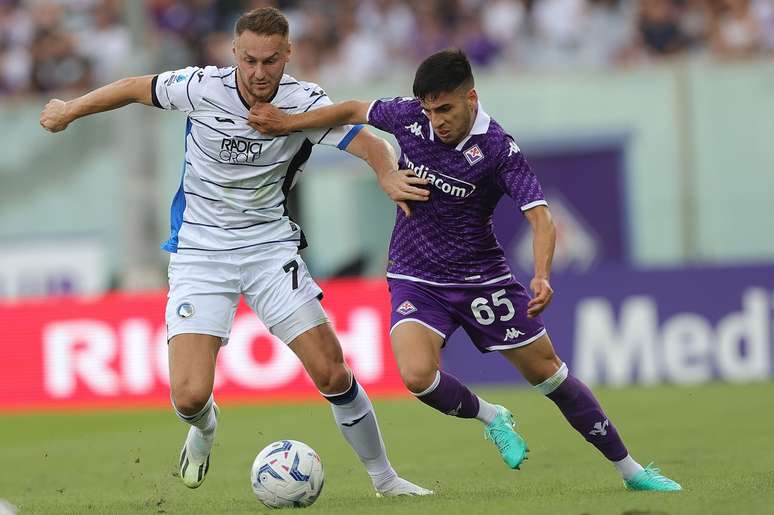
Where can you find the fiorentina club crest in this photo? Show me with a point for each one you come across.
(406, 308)
(474, 155)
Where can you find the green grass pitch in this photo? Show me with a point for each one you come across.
(716, 440)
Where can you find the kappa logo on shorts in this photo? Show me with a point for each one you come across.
(512, 334)
(474, 155)
(185, 310)
(406, 308)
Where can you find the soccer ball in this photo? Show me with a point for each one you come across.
(286, 474)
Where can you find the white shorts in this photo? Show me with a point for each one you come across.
(204, 290)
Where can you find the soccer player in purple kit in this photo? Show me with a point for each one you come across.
(447, 270)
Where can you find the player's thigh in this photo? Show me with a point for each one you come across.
(276, 282)
(202, 301)
(308, 333)
(277, 285)
(419, 326)
(536, 361)
(319, 351)
(192, 360)
(417, 351)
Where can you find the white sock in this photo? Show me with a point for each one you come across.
(204, 420)
(356, 419)
(486, 412)
(627, 467)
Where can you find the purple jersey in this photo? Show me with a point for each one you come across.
(449, 239)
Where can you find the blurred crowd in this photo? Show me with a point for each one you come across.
(55, 45)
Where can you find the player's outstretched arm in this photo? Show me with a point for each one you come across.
(58, 114)
(267, 119)
(400, 185)
(543, 243)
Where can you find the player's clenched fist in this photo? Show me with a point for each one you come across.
(543, 293)
(267, 119)
(54, 117)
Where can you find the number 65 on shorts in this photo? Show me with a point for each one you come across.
(494, 316)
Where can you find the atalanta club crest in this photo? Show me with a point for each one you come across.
(406, 308)
(186, 310)
(474, 155)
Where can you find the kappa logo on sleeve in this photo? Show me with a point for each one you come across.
(406, 308)
(474, 155)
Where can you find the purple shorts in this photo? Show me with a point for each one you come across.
(493, 315)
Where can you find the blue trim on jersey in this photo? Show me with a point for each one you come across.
(343, 144)
(178, 203)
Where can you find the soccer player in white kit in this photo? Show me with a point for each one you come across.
(232, 236)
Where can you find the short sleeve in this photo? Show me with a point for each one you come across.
(517, 179)
(180, 90)
(383, 113)
(339, 137)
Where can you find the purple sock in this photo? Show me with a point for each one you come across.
(450, 397)
(583, 412)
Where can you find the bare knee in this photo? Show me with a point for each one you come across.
(334, 379)
(418, 379)
(189, 399)
(192, 370)
(536, 361)
(538, 370)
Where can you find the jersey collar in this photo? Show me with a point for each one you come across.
(480, 126)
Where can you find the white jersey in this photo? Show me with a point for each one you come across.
(235, 182)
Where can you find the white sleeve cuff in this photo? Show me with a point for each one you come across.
(527, 207)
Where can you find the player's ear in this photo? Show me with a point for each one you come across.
(472, 98)
(233, 47)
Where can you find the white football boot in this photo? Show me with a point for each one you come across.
(399, 486)
(195, 455)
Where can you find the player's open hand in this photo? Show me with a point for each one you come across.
(267, 119)
(54, 117)
(543, 293)
(401, 186)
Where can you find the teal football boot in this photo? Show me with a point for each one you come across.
(650, 479)
(511, 445)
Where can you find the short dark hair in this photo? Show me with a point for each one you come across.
(442, 72)
(264, 21)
